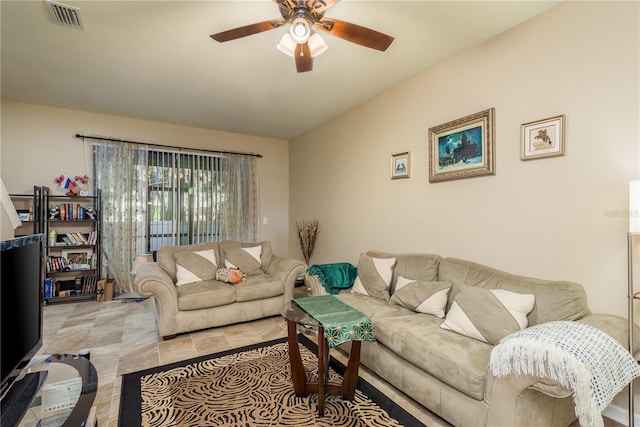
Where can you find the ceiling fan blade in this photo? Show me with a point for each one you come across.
(247, 30)
(355, 33)
(304, 61)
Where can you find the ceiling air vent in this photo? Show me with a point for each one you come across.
(62, 14)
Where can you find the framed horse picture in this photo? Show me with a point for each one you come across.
(543, 138)
(462, 148)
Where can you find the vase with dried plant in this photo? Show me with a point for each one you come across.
(307, 233)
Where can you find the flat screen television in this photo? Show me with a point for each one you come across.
(21, 303)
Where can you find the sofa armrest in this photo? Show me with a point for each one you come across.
(616, 327)
(313, 283)
(512, 397)
(527, 400)
(286, 270)
(152, 280)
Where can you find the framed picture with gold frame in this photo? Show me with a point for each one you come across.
(462, 148)
(401, 165)
(543, 138)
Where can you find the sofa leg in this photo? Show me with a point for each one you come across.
(168, 337)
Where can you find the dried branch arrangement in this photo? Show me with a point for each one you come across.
(307, 234)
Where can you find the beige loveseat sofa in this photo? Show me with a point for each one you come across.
(448, 372)
(188, 297)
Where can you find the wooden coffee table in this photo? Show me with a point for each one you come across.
(295, 317)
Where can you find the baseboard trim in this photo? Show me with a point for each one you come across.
(620, 415)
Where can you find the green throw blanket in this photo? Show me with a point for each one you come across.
(334, 277)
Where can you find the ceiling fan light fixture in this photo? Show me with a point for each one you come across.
(287, 45)
(317, 46)
(300, 30)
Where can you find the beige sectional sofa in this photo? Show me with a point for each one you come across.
(188, 297)
(448, 372)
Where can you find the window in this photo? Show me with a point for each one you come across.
(153, 198)
(184, 199)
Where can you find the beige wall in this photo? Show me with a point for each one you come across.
(556, 218)
(38, 144)
(6, 228)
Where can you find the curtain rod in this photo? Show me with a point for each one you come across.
(100, 138)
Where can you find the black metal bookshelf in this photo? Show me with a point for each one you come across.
(72, 227)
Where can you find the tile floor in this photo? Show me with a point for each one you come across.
(122, 338)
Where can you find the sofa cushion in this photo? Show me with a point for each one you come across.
(258, 287)
(488, 315)
(266, 252)
(555, 299)
(205, 294)
(246, 260)
(195, 266)
(411, 265)
(372, 307)
(458, 361)
(421, 296)
(374, 276)
(166, 255)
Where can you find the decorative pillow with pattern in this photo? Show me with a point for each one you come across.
(488, 314)
(422, 296)
(374, 276)
(230, 275)
(195, 266)
(245, 259)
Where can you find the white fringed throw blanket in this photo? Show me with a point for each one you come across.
(576, 355)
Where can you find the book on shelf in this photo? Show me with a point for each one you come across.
(73, 212)
(57, 263)
(89, 284)
(74, 239)
(49, 288)
(79, 285)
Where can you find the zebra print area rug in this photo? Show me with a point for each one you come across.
(249, 386)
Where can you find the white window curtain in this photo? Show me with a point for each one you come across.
(153, 198)
(239, 207)
(121, 174)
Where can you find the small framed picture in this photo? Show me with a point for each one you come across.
(401, 165)
(24, 215)
(543, 138)
(79, 259)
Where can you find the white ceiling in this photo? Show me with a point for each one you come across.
(155, 60)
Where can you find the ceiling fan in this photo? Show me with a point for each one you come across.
(301, 41)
